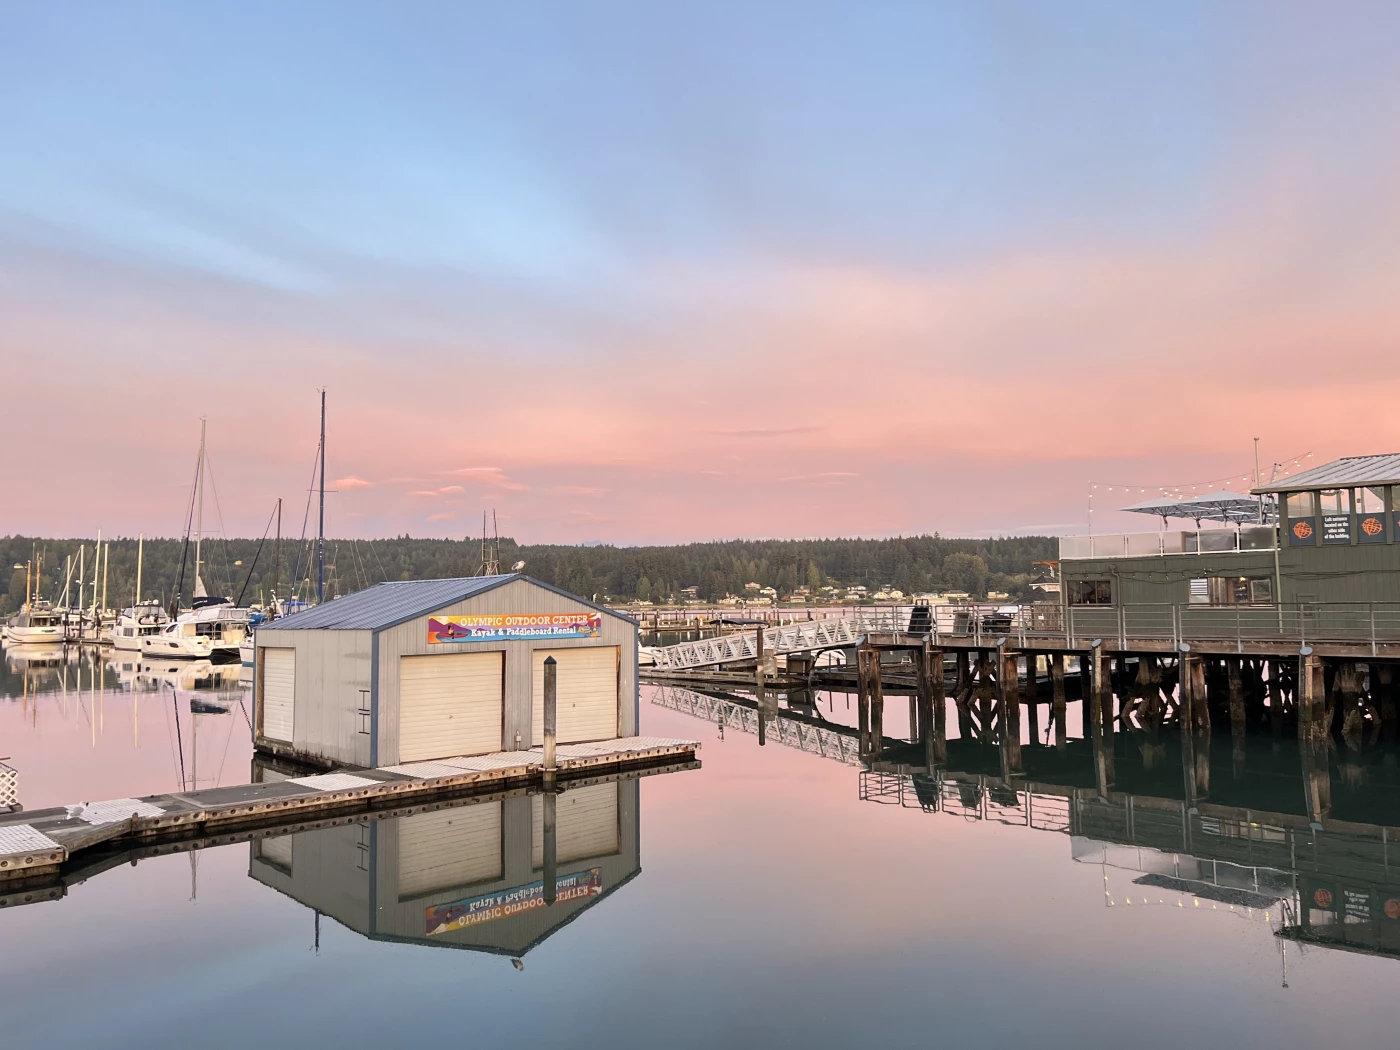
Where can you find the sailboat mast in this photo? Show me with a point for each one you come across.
(277, 565)
(140, 559)
(321, 527)
(28, 586)
(96, 565)
(106, 555)
(199, 502)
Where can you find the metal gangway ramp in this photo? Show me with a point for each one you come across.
(800, 637)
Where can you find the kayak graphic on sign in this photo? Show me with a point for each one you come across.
(508, 627)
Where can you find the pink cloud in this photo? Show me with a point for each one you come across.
(442, 516)
(349, 483)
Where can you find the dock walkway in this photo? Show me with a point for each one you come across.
(38, 843)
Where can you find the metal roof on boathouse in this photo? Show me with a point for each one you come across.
(398, 601)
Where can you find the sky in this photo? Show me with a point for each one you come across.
(641, 273)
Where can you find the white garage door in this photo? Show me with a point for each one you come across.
(279, 692)
(449, 705)
(587, 694)
(585, 825)
(277, 851)
(449, 849)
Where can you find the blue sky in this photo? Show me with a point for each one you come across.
(655, 216)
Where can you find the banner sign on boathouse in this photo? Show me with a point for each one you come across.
(512, 627)
(444, 918)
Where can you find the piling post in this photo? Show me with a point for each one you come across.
(551, 709)
(1057, 684)
(551, 871)
(1009, 686)
(1086, 695)
(877, 705)
(935, 707)
(1317, 779)
(1237, 717)
(1310, 694)
(863, 695)
(1099, 709)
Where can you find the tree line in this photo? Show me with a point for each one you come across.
(251, 569)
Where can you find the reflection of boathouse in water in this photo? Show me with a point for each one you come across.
(467, 874)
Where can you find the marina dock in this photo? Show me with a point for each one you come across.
(37, 846)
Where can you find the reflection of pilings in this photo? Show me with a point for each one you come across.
(1317, 778)
(550, 852)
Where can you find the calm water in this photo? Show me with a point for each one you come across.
(772, 897)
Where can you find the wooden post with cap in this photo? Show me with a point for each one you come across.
(551, 710)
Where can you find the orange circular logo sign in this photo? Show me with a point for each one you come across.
(1372, 527)
(1302, 529)
(1322, 898)
(1392, 909)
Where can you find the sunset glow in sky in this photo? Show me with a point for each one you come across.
(659, 272)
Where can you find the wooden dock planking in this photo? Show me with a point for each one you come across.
(51, 885)
(39, 843)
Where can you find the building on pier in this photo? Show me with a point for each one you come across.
(429, 669)
(1338, 523)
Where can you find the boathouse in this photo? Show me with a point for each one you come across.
(419, 670)
(467, 876)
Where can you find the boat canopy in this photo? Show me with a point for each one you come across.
(1210, 506)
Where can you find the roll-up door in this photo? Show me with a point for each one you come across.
(587, 694)
(449, 705)
(449, 849)
(585, 824)
(277, 851)
(279, 693)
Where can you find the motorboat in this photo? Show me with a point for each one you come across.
(214, 630)
(38, 623)
(143, 620)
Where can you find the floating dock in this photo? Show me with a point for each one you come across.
(36, 845)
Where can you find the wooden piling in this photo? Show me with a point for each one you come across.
(1057, 684)
(551, 712)
(863, 697)
(1310, 695)
(936, 705)
(1009, 687)
(877, 705)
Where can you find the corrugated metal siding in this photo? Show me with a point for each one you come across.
(1165, 579)
(518, 596)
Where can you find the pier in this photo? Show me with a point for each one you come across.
(37, 846)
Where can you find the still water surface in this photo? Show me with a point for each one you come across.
(771, 897)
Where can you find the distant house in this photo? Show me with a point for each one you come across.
(752, 586)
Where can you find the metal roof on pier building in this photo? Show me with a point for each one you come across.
(1342, 473)
(398, 601)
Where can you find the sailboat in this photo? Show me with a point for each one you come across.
(37, 622)
(213, 628)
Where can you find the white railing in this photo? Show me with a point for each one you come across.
(1153, 544)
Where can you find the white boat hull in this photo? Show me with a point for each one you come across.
(179, 647)
(34, 635)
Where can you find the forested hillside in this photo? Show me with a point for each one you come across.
(237, 566)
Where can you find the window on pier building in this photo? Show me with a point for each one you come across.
(1091, 592)
(1232, 590)
(1335, 501)
(1370, 501)
(1302, 505)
